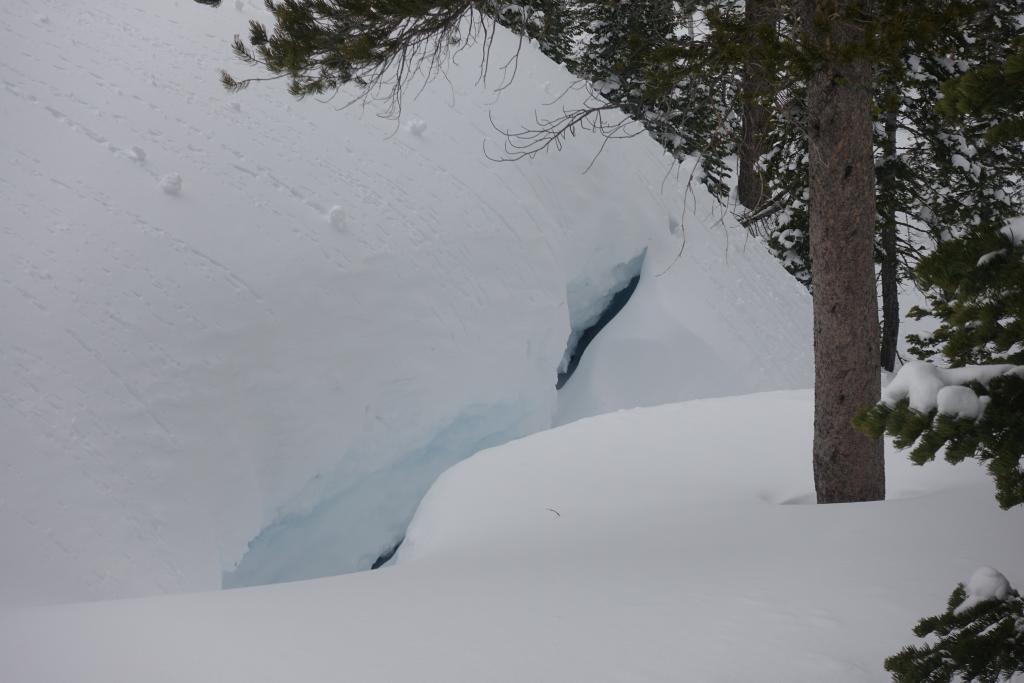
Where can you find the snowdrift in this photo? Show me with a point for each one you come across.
(244, 333)
(658, 544)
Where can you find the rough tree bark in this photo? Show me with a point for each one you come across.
(848, 465)
(890, 293)
(760, 17)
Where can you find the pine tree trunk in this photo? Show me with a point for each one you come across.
(848, 465)
(890, 293)
(761, 17)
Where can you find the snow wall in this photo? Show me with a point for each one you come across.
(243, 333)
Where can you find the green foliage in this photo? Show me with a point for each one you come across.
(639, 57)
(997, 439)
(320, 45)
(554, 24)
(976, 286)
(994, 91)
(984, 642)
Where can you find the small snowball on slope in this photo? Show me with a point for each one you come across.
(171, 184)
(136, 153)
(985, 583)
(960, 402)
(675, 226)
(337, 217)
(417, 127)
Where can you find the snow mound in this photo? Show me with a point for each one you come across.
(714, 454)
(336, 216)
(225, 381)
(959, 402)
(416, 127)
(171, 184)
(928, 387)
(985, 583)
(627, 547)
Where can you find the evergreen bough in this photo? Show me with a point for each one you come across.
(984, 643)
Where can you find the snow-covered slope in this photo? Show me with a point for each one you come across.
(244, 333)
(661, 544)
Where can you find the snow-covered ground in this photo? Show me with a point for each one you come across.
(658, 544)
(244, 333)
